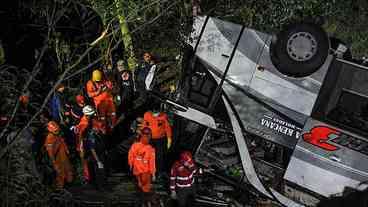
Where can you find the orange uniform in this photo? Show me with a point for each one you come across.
(82, 126)
(80, 135)
(141, 159)
(57, 150)
(159, 125)
(103, 100)
(80, 130)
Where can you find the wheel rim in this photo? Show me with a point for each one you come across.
(301, 46)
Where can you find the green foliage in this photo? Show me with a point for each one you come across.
(168, 27)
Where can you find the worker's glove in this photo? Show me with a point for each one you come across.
(173, 195)
(153, 178)
(100, 165)
(169, 141)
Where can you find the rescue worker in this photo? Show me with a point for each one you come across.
(99, 90)
(182, 179)
(74, 116)
(95, 153)
(141, 159)
(24, 101)
(58, 105)
(87, 121)
(158, 122)
(58, 154)
(24, 109)
(76, 111)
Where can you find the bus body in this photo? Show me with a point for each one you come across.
(318, 121)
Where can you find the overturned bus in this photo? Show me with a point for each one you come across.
(285, 116)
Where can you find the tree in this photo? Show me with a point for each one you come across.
(126, 35)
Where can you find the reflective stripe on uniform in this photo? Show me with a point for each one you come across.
(185, 185)
(186, 177)
(141, 159)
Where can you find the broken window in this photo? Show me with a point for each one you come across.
(345, 97)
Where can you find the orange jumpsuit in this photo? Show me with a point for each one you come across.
(103, 101)
(141, 159)
(159, 125)
(80, 135)
(161, 135)
(57, 149)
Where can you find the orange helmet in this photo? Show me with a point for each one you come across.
(186, 157)
(53, 127)
(80, 99)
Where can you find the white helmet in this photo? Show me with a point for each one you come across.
(88, 110)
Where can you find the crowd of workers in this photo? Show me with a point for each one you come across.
(82, 128)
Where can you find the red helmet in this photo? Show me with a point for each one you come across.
(186, 156)
(53, 127)
(80, 99)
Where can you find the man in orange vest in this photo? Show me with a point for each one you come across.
(158, 122)
(141, 159)
(58, 154)
(99, 90)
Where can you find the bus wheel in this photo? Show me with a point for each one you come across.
(300, 49)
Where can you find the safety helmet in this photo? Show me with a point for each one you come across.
(96, 75)
(88, 110)
(186, 156)
(80, 99)
(53, 127)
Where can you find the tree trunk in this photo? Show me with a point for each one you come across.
(126, 35)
